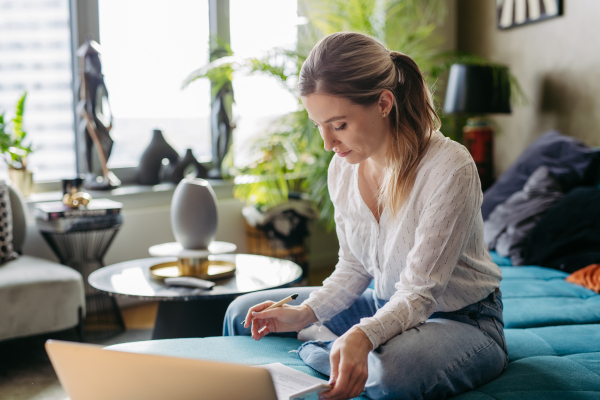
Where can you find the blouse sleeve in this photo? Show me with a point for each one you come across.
(442, 231)
(349, 280)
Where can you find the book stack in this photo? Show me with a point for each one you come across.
(58, 218)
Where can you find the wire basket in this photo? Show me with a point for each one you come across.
(257, 242)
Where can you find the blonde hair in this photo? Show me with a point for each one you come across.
(359, 68)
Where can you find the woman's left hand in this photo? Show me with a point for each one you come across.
(349, 367)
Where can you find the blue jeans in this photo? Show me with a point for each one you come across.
(450, 353)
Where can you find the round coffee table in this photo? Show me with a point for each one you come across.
(189, 312)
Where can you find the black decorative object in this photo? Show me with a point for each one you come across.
(221, 128)
(187, 167)
(477, 89)
(73, 185)
(513, 13)
(96, 121)
(149, 168)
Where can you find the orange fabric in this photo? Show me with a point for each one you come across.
(588, 277)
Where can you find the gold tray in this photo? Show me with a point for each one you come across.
(216, 270)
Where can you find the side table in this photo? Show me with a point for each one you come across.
(191, 312)
(82, 246)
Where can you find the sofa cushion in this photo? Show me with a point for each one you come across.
(234, 349)
(552, 341)
(38, 296)
(574, 376)
(537, 296)
(537, 373)
(7, 252)
(499, 260)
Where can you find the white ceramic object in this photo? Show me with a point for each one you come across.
(194, 214)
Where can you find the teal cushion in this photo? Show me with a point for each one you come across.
(233, 349)
(536, 296)
(575, 376)
(531, 272)
(499, 260)
(536, 370)
(552, 341)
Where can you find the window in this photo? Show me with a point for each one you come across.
(258, 26)
(148, 48)
(35, 56)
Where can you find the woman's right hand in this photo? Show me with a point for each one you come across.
(281, 319)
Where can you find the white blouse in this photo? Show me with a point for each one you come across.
(431, 257)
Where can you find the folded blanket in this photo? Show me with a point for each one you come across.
(571, 162)
(588, 277)
(511, 222)
(567, 237)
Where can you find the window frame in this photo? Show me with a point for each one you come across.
(85, 24)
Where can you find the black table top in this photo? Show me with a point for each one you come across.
(253, 273)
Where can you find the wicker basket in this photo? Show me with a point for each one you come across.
(257, 242)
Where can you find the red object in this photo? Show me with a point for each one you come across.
(479, 140)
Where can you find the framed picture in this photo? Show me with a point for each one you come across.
(511, 13)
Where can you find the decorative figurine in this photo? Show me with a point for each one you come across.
(73, 196)
(187, 167)
(221, 128)
(96, 121)
(149, 168)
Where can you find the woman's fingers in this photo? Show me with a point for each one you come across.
(255, 327)
(256, 308)
(350, 382)
(264, 331)
(274, 313)
(334, 360)
(361, 380)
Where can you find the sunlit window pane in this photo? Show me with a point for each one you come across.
(148, 48)
(256, 27)
(35, 56)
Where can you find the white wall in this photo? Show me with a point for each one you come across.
(557, 64)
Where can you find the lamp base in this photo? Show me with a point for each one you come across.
(478, 138)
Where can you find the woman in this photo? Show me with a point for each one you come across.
(407, 210)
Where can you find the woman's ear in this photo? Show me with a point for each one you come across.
(386, 102)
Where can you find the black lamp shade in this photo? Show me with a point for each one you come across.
(477, 89)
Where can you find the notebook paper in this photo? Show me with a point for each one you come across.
(289, 382)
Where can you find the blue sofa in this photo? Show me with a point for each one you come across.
(552, 334)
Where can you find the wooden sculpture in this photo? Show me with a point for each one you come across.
(96, 121)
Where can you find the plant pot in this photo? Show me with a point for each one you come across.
(23, 179)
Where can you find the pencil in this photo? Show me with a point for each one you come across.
(278, 304)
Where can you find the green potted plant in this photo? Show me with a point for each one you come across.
(290, 156)
(12, 137)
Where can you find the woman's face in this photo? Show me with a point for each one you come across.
(353, 131)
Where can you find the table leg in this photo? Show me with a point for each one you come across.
(194, 318)
(84, 252)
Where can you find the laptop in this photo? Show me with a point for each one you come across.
(88, 372)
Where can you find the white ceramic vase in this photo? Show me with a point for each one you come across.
(194, 213)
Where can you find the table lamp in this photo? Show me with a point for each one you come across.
(477, 90)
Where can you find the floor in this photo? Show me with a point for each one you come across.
(26, 372)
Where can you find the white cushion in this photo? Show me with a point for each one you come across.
(38, 296)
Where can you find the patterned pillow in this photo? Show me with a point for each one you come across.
(6, 226)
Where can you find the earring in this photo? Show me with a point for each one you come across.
(384, 115)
